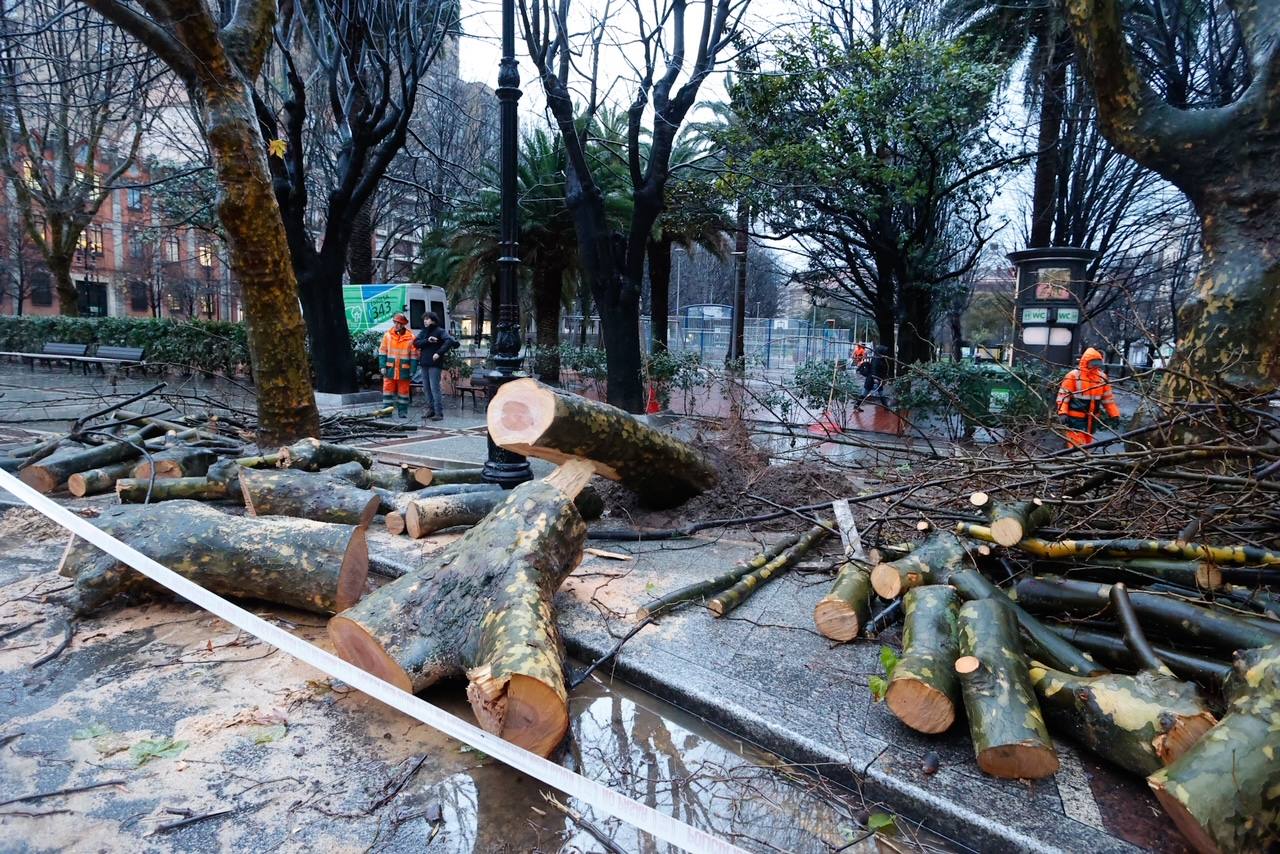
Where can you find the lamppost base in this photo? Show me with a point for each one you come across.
(505, 468)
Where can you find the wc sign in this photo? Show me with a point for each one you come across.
(1052, 287)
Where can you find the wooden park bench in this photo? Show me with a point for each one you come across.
(56, 351)
(124, 358)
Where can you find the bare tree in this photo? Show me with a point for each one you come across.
(74, 91)
(666, 87)
(22, 266)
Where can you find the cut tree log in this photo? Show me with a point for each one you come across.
(399, 479)
(535, 420)
(888, 552)
(424, 516)
(1111, 649)
(1011, 521)
(176, 461)
(482, 607)
(306, 495)
(1192, 574)
(444, 477)
(1178, 618)
(842, 613)
(1224, 793)
(396, 504)
(312, 455)
(1177, 549)
(724, 602)
(51, 472)
(99, 480)
(923, 690)
(699, 590)
(302, 564)
(134, 490)
(931, 562)
(1005, 723)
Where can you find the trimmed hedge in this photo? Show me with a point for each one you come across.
(206, 345)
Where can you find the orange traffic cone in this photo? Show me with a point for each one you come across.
(651, 406)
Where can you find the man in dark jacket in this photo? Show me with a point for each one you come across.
(433, 344)
(875, 370)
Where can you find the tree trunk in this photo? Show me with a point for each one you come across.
(1012, 520)
(538, 421)
(1008, 732)
(444, 477)
(1053, 96)
(547, 289)
(301, 564)
(179, 461)
(584, 307)
(312, 455)
(396, 505)
(482, 608)
(915, 335)
(842, 613)
(424, 516)
(63, 286)
(741, 243)
(923, 690)
(134, 490)
(659, 252)
(304, 495)
(620, 325)
(1222, 792)
(360, 249)
(929, 563)
(47, 474)
(260, 261)
(332, 356)
(99, 480)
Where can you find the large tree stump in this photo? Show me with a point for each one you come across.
(923, 690)
(1012, 520)
(294, 562)
(1005, 723)
(842, 613)
(177, 461)
(482, 608)
(134, 490)
(929, 563)
(1224, 793)
(99, 480)
(306, 495)
(312, 455)
(539, 421)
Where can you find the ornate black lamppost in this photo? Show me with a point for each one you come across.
(503, 466)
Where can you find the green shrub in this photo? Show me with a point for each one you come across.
(365, 344)
(970, 394)
(588, 362)
(818, 381)
(209, 346)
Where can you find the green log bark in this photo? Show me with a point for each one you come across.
(51, 472)
(423, 516)
(1011, 521)
(444, 477)
(482, 608)
(923, 689)
(1224, 793)
(1193, 574)
(1046, 645)
(1111, 649)
(530, 418)
(1177, 618)
(1008, 731)
(134, 490)
(700, 589)
(722, 603)
(99, 480)
(1140, 722)
(301, 564)
(1177, 549)
(176, 461)
(306, 495)
(931, 562)
(312, 455)
(842, 613)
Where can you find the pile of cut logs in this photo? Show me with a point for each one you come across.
(479, 608)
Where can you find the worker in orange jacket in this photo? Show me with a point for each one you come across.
(1084, 392)
(399, 359)
(859, 354)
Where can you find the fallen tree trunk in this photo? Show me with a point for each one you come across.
(1238, 555)
(301, 564)
(928, 563)
(700, 589)
(1111, 649)
(1005, 723)
(134, 490)
(444, 477)
(99, 480)
(423, 516)
(1193, 574)
(306, 495)
(396, 504)
(842, 613)
(1222, 793)
(482, 608)
(51, 472)
(722, 603)
(538, 421)
(923, 689)
(177, 461)
(1012, 520)
(1181, 619)
(312, 455)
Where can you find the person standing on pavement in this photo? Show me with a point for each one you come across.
(875, 370)
(859, 354)
(433, 345)
(397, 359)
(1083, 397)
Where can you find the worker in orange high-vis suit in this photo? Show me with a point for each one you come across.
(1084, 394)
(399, 359)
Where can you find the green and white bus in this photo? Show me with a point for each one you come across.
(371, 307)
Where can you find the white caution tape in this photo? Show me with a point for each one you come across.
(633, 812)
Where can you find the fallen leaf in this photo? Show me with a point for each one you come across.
(157, 748)
(94, 730)
(266, 735)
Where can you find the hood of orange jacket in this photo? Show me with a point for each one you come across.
(1093, 374)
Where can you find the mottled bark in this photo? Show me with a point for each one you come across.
(538, 421)
(424, 516)
(1111, 649)
(444, 477)
(1012, 520)
(134, 490)
(923, 689)
(928, 563)
(177, 461)
(306, 495)
(99, 480)
(311, 454)
(1192, 574)
(293, 562)
(722, 603)
(49, 473)
(1239, 555)
(842, 613)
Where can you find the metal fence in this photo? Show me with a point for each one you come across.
(769, 342)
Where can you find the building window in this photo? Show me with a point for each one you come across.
(204, 253)
(41, 289)
(91, 239)
(173, 249)
(135, 198)
(93, 184)
(137, 247)
(139, 296)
